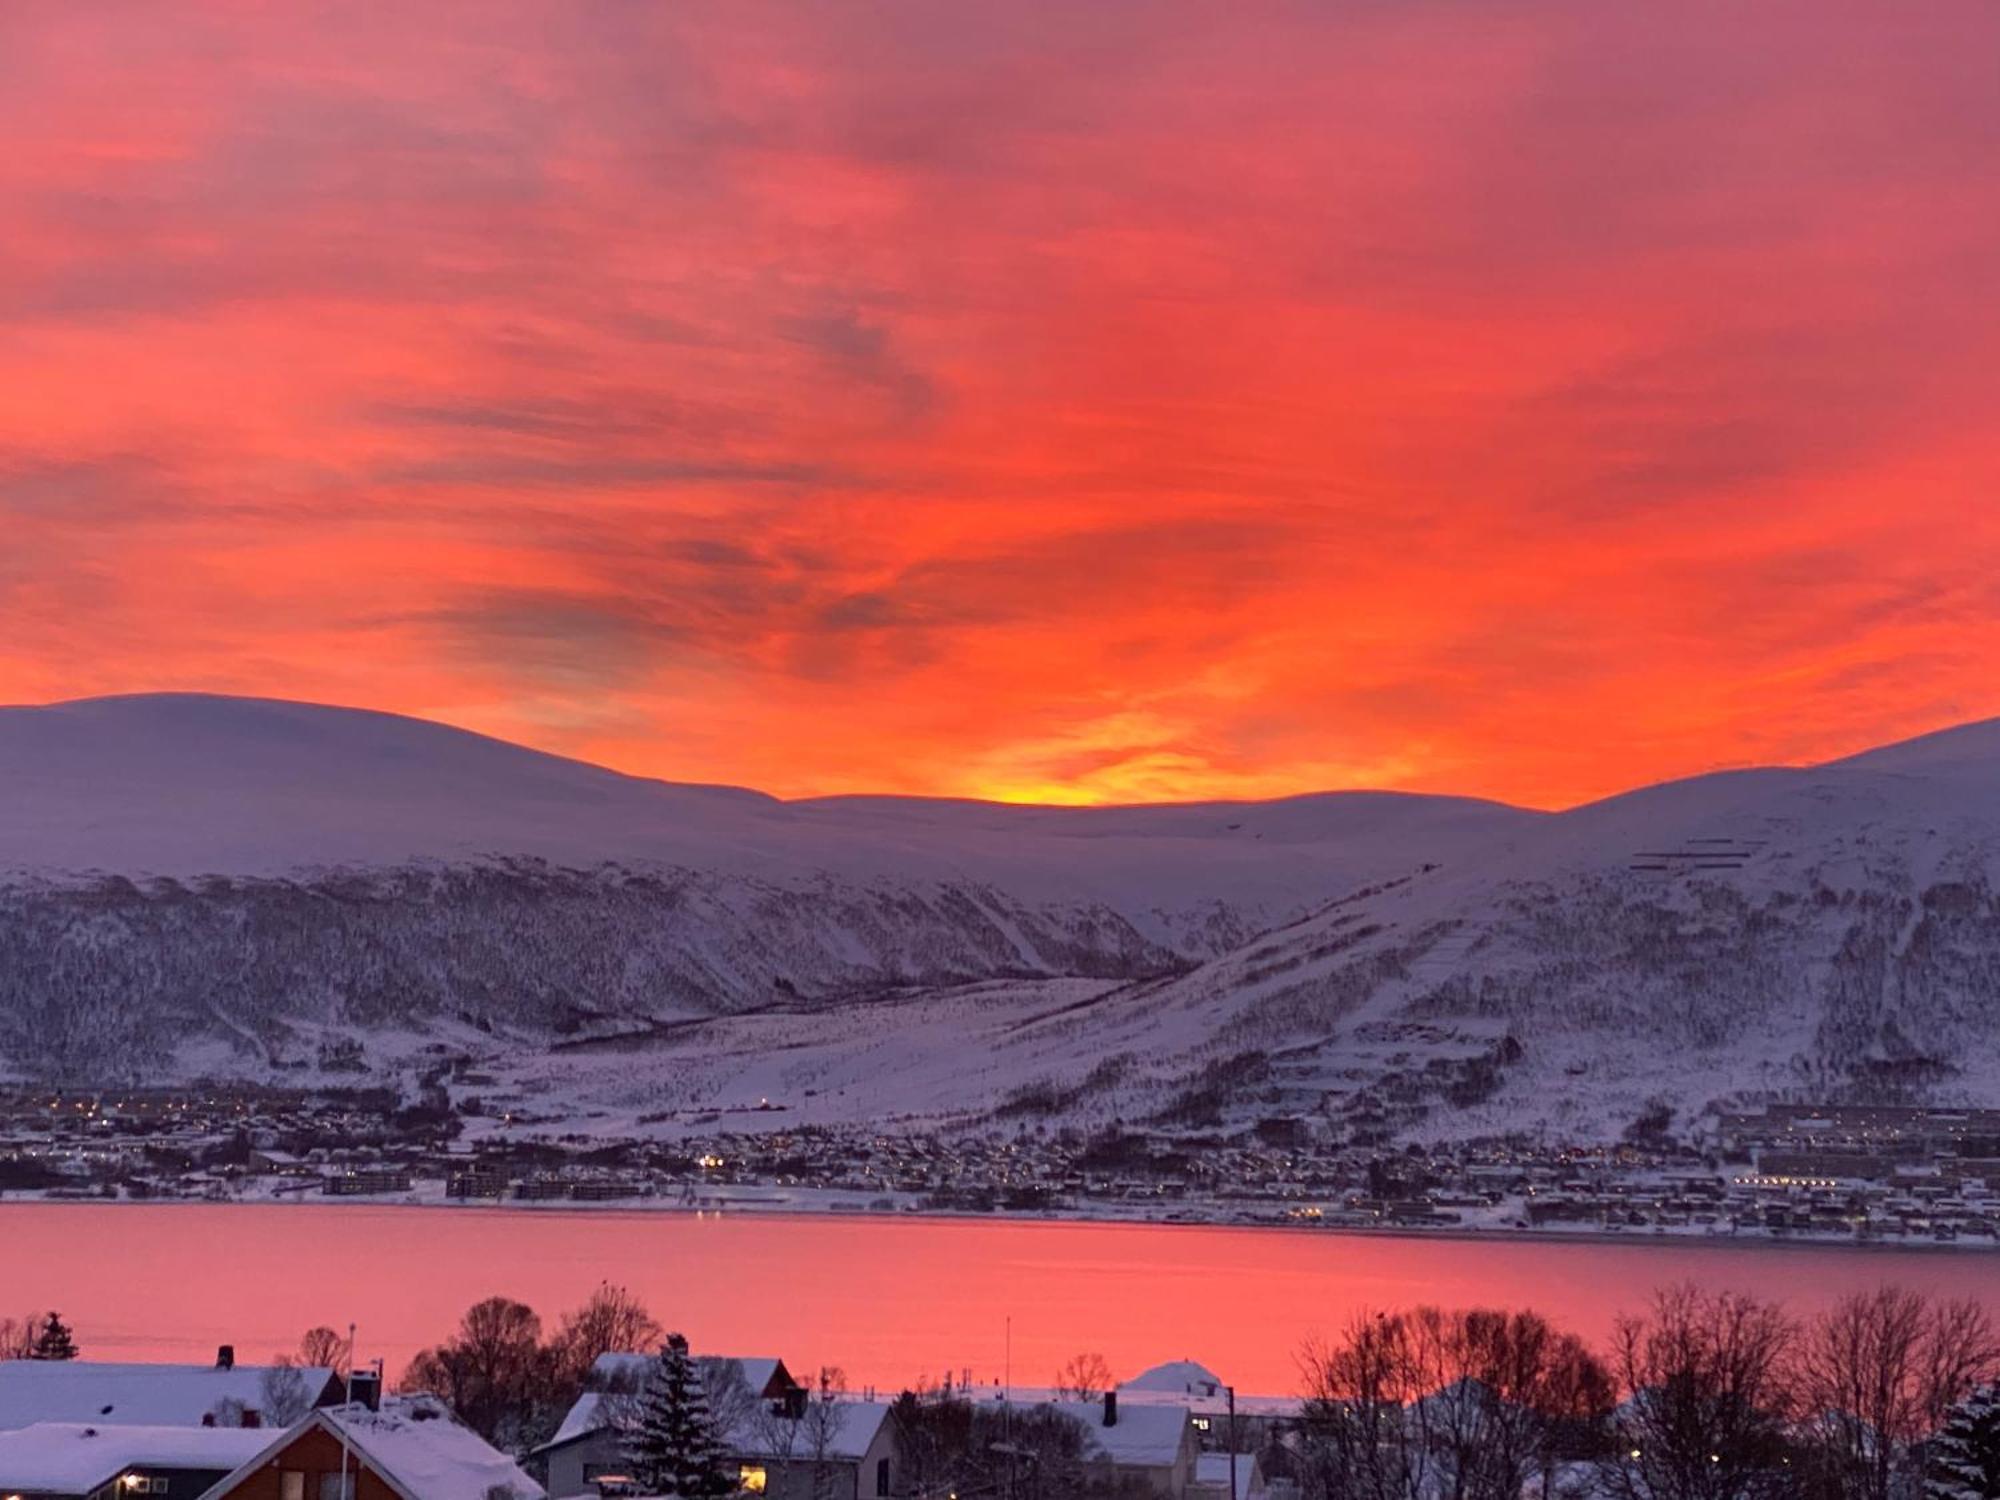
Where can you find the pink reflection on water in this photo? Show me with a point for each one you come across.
(888, 1300)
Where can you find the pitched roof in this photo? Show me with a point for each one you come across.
(851, 1430)
(624, 1372)
(1179, 1377)
(76, 1458)
(414, 1444)
(618, 1371)
(79, 1390)
(586, 1414)
(1147, 1436)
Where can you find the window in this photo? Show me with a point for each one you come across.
(751, 1479)
(881, 1476)
(291, 1485)
(336, 1486)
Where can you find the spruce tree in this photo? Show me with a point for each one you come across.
(55, 1341)
(1964, 1459)
(672, 1445)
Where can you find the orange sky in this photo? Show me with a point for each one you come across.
(1039, 400)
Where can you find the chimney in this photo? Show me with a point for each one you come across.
(1111, 1408)
(225, 1357)
(365, 1386)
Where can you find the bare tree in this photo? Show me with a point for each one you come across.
(320, 1348)
(611, 1321)
(1709, 1396)
(1355, 1441)
(820, 1428)
(492, 1372)
(1084, 1378)
(17, 1336)
(1504, 1393)
(733, 1406)
(933, 1434)
(282, 1396)
(1879, 1371)
(1465, 1405)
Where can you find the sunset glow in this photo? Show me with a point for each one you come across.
(1043, 402)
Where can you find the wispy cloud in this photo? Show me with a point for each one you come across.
(1084, 402)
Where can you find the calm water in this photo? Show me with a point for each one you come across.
(889, 1299)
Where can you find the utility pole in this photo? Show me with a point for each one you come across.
(1007, 1401)
(1232, 1441)
(347, 1403)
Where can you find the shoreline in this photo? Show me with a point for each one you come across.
(1665, 1238)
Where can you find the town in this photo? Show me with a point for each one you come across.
(1887, 1174)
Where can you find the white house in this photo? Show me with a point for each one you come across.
(780, 1443)
(1154, 1443)
(91, 1461)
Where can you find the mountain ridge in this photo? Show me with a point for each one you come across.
(1824, 928)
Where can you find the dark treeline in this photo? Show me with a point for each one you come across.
(39, 1335)
(1705, 1396)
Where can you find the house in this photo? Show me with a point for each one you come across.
(148, 1395)
(1155, 1444)
(410, 1449)
(100, 1461)
(1212, 1477)
(832, 1450)
(587, 1450)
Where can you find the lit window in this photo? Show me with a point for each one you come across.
(291, 1485)
(751, 1479)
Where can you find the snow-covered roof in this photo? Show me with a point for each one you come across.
(1179, 1377)
(621, 1372)
(852, 1427)
(76, 1458)
(626, 1371)
(414, 1445)
(1146, 1436)
(612, 1371)
(758, 1371)
(587, 1415)
(78, 1390)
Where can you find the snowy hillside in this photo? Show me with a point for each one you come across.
(250, 883)
(1819, 932)
(288, 891)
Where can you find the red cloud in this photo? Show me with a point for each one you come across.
(1085, 403)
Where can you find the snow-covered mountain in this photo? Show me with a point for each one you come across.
(180, 873)
(1814, 932)
(206, 883)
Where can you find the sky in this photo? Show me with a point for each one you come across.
(1034, 401)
